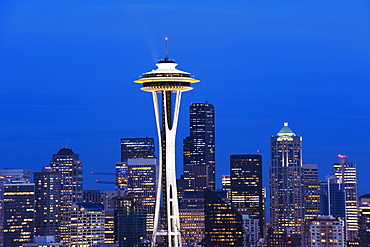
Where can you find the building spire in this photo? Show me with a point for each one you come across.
(166, 59)
(166, 39)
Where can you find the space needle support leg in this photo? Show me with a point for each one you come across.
(177, 110)
(175, 199)
(159, 181)
(173, 221)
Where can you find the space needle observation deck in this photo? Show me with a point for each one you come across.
(166, 78)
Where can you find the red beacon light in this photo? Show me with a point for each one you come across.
(342, 156)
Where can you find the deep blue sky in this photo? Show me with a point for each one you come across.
(67, 70)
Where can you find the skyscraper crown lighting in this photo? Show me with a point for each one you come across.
(285, 131)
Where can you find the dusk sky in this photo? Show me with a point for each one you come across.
(67, 70)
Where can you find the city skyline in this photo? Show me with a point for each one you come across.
(57, 92)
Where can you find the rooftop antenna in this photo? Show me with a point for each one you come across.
(166, 39)
(166, 59)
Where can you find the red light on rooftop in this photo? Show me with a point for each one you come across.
(342, 156)
(166, 38)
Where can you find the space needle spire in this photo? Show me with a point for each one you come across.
(164, 83)
(166, 39)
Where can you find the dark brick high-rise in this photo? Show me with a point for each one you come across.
(199, 149)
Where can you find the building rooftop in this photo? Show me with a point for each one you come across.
(90, 206)
(65, 151)
(285, 131)
(166, 69)
(365, 196)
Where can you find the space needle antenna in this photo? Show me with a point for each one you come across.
(166, 39)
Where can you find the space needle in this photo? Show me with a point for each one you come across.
(164, 83)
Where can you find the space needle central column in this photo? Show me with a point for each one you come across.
(165, 82)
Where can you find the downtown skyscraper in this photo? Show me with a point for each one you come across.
(311, 191)
(286, 180)
(192, 217)
(129, 221)
(134, 148)
(364, 220)
(333, 198)
(347, 172)
(17, 213)
(223, 223)
(199, 149)
(246, 186)
(69, 165)
(136, 176)
(48, 188)
(142, 178)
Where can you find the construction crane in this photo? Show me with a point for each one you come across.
(105, 174)
(102, 173)
(104, 182)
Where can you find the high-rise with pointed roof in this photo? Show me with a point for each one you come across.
(286, 177)
(69, 165)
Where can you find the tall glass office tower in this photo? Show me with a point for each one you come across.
(333, 198)
(347, 172)
(286, 180)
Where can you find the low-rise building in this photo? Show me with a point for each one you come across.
(87, 224)
(323, 231)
